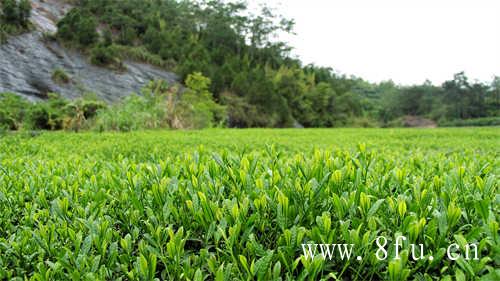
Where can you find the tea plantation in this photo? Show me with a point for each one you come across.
(240, 204)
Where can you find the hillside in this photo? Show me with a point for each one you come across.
(28, 62)
(114, 48)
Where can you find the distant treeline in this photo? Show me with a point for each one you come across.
(252, 74)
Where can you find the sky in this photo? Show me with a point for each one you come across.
(407, 41)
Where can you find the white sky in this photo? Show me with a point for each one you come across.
(407, 41)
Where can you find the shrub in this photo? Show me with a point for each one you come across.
(127, 36)
(78, 27)
(47, 115)
(6, 121)
(40, 118)
(141, 54)
(79, 112)
(159, 106)
(3, 34)
(106, 56)
(10, 11)
(24, 8)
(14, 18)
(59, 76)
(197, 107)
(133, 113)
(91, 107)
(363, 122)
(487, 121)
(102, 55)
(240, 113)
(16, 13)
(12, 111)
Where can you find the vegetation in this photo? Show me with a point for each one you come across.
(59, 76)
(253, 75)
(103, 55)
(458, 98)
(15, 12)
(55, 113)
(489, 121)
(14, 17)
(239, 204)
(157, 106)
(142, 55)
(78, 27)
(12, 111)
(236, 205)
(161, 106)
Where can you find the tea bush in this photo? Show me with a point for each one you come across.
(237, 205)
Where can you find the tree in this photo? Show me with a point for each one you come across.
(24, 12)
(10, 11)
(322, 105)
(79, 27)
(252, 72)
(86, 31)
(127, 36)
(493, 98)
(197, 107)
(16, 13)
(292, 84)
(458, 96)
(103, 55)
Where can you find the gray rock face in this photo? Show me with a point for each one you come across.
(27, 63)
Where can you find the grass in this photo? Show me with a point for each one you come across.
(60, 76)
(140, 54)
(7, 30)
(238, 204)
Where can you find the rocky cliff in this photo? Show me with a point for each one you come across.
(27, 63)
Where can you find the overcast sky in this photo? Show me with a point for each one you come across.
(406, 41)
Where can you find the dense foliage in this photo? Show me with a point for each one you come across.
(236, 205)
(458, 98)
(157, 106)
(55, 113)
(161, 106)
(14, 17)
(252, 73)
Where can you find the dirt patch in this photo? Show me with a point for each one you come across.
(418, 122)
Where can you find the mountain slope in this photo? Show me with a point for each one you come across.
(28, 61)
